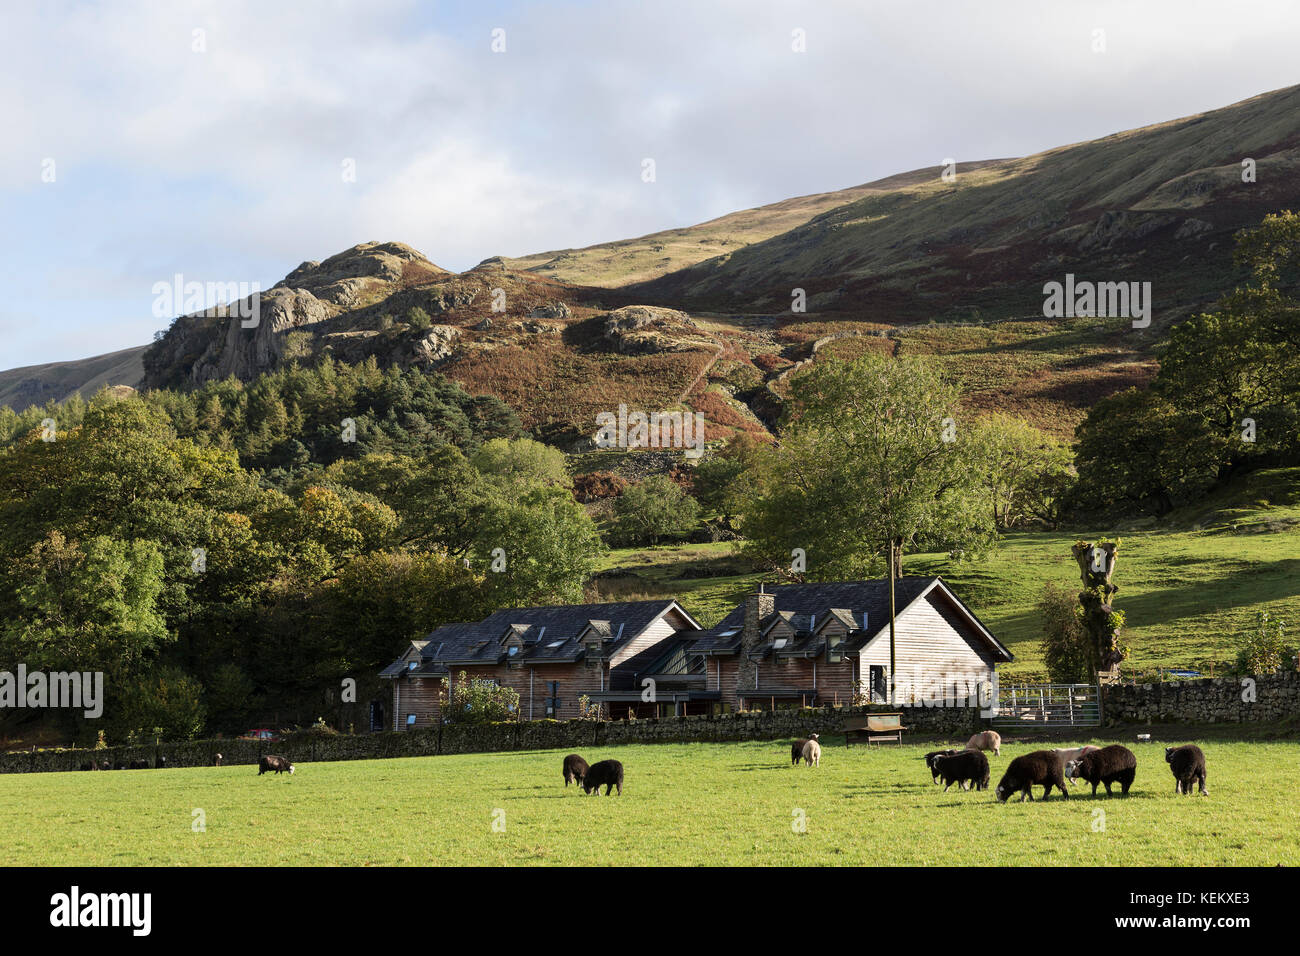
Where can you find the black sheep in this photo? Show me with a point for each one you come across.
(963, 767)
(1188, 765)
(607, 774)
(929, 761)
(272, 762)
(1042, 768)
(1113, 764)
(575, 768)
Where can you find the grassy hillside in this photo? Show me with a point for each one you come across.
(627, 261)
(691, 804)
(38, 384)
(1151, 204)
(1189, 588)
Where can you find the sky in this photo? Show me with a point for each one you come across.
(142, 140)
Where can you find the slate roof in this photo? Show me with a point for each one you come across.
(805, 604)
(548, 634)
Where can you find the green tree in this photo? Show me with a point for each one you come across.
(1065, 641)
(872, 461)
(654, 509)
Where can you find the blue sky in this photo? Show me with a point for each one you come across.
(224, 164)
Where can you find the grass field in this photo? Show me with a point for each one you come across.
(688, 804)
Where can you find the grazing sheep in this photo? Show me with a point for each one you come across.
(1113, 764)
(607, 774)
(162, 763)
(575, 768)
(929, 762)
(218, 761)
(1188, 765)
(812, 752)
(105, 766)
(796, 749)
(1073, 753)
(272, 762)
(964, 768)
(987, 740)
(1042, 767)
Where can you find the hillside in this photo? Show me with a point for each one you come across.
(1152, 204)
(38, 384)
(906, 264)
(629, 261)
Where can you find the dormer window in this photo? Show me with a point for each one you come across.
(412, 665)
(778, 643)
(834, 651)
(512, 650)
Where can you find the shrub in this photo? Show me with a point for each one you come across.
(1264, 650)
(1065, 639)
(477, 701)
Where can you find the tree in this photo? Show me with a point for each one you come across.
(863, 468)
(1066, 652)
(1027, 472)
(1097, 614)
(1137, 449)
(653, 509)
(723, 478)
(91, 607)
(521, 463)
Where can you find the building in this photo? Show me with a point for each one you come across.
(552, 656)
(815, 644)
(788, 646)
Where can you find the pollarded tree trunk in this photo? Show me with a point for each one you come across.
(1100, 619)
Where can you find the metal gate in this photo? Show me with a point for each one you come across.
(1031, 706)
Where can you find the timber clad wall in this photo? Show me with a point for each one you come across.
(927, 645)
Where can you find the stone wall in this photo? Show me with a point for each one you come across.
(1210, 701)
(922, 723)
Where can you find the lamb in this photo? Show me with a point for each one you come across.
(1042, 767)
(987, 740)
(796, 749)
(272, 762)
(964, 768)
(929, 762)
(607, 774)
(1069, 754)
(1188, 765)
(575, 768)
(812, 752)
(1106, 765)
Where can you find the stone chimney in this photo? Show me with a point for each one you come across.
(757, 607)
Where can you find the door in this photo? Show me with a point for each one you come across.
(879, 690)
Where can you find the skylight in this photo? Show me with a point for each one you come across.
(556, 644)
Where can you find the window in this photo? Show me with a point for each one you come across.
(834, 653)
(410, 720)
(513, 650)
(553, 701)
(412, 665)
